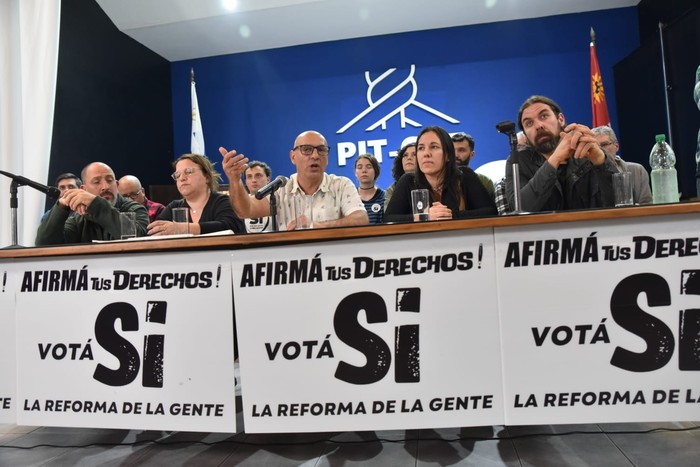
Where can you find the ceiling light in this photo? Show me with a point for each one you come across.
(230, 5)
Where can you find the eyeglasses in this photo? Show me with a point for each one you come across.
(307, 149)
(135, 194)
(187, 172)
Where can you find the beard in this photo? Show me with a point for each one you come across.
(109, 196)
(548, 146)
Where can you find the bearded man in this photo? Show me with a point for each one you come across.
(97, 204)
(562, 167)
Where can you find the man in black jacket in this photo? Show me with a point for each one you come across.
(562, 167)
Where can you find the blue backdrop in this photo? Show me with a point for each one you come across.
(477, 76)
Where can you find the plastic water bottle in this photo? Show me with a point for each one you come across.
(664, 179)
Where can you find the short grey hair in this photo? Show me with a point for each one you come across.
(605, 130)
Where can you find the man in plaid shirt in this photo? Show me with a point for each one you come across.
(500, 198)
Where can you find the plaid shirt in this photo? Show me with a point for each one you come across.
(500, 198)
(154, 209)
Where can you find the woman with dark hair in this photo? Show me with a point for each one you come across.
(209, 211)
(453, 193)
(367, 172)
(404, 162)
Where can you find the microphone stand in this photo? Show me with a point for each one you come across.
(18, 181)
(513, 140)
(273, 210)
(14, 203)
(273, 206)
(508, 128)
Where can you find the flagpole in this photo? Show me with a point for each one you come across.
(665, 75)
(197, 136)
(599, 105)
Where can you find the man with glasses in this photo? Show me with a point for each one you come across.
(329, 200)
(464, 153)
(130, 187)
(98, 205)
(641, 190)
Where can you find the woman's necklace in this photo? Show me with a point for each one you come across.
(200, 207)
(369, 193)
(196, 210)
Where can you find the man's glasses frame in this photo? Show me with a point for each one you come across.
(308, 149)
(135, 194)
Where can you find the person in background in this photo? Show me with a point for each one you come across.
(562, 167)
(404, 162)
(97, 204)
(68, 181)
(454, 193)
(209, 210)
(367, 172)
(333, 200)
(641, 190)
(65, 181)
(256, 176)
(130, 187)
(464, 152)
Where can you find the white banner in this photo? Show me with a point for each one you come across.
(127, 341)
(369, 334)
(8, 365)
(601, 323)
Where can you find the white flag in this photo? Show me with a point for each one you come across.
(197, 144)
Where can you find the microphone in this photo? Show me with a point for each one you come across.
(271, 187)
(506, 127)
(50, 191)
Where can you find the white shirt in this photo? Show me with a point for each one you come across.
(258, 224)
(335, 198)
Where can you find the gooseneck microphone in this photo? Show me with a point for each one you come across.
(507, 127)
(271, 187)
(50, 191)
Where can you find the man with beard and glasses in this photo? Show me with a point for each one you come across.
(97, 203)
(562, 167)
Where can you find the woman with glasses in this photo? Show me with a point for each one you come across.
(404, 162)
(453, 193)
(209, 210)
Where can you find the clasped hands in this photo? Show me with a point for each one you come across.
(578, 141)
(77, 200)
(439, 212)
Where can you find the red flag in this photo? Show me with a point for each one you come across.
(598, 102)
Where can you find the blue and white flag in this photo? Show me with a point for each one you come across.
(197, 144)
